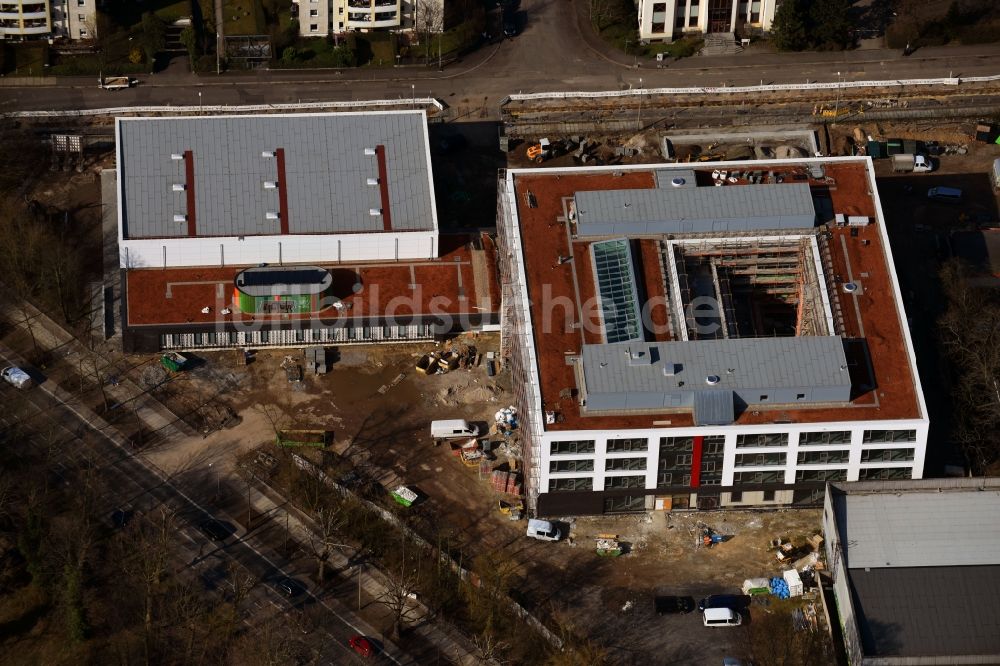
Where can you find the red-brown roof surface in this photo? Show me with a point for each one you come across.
(385, 289)
(545, 241)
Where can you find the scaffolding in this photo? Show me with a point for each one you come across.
(761, 287)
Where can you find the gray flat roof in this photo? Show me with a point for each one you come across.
(920, 529)
(629, 376)
(325, 166)
(929, 612)
(669, 210)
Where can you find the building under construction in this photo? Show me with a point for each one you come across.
(705, 338)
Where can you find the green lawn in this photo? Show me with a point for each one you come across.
(242, 17)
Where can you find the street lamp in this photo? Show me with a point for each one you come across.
(836, 108)
(638, 117)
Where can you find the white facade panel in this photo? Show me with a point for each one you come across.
(291, 249)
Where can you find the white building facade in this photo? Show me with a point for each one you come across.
(667, 20)
(323, 17)
(43, 19)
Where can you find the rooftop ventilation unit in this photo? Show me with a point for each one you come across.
(669, 369)
(180, 218)
(176, 156)
(267, 153)
(374, 212)
(270, 185)
(270, 215)
(177, 187)
(638, 357)
(712, 380)
(371, 152)
(373, 181)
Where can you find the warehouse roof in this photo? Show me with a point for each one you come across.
(920, 529)
(684, 209)
(274, 174)
(638, 375)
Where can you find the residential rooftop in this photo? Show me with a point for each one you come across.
(230, 176)
(826, 280)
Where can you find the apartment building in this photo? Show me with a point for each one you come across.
(667, 20)
(322, 17)
(704, 337)
(43, 19)
(287, 230)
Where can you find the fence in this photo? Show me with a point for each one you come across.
(224, 108)
(742, 90)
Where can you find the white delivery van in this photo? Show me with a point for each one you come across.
(722, 617)
(543, 530)
(949, 194)
(452, 429)
(17, 377)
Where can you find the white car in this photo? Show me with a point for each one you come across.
(17, 377)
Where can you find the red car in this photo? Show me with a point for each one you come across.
(361, 645)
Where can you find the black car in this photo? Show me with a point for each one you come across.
(736, 602)
(214, 529)
(289, 587)
(668, 605)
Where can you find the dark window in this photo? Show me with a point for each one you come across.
(736, 496)
(624, 482)
(823, 475)
(758, 477)
(800, 396)
(821, 438)
(763, 398)
(714, 447)
(751, 459)
(886, 455)
(763, 439)
(625, 503)
(884, 473)
(676, 444)
(626, 445)
(889, 436)
(684, 459)
(768, 496)
(614, 464)
(572, 446)
(571, 466)
(568, 485)
(823, 457)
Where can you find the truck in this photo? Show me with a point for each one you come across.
(116, 82)
(910, 162)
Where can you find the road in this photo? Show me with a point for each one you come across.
(142, 488)
(551, 54)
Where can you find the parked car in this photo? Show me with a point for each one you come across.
(17, 377)
(453, 428)
(289, 587)
(733, 601)
(214, 529)
(543, 530)
(362, 646)
(667, 605)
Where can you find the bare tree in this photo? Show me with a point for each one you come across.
(400, 584)
(329, 534)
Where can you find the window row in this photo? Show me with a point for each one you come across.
(587, 465)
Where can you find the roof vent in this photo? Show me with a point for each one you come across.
(180, 218)
(374, 212)
(371, 152)
(712, 380)
(669, 369)
(850, 287)
(267, 153)
(177, 156)
(639, 357)
(677, 182)
(177, 187)
(270, 185)
(271, 215)
(373, 181)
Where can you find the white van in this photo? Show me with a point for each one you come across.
(543, 530)
(17, 377)
(951, 194)
(722, 617)
(453, 429)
